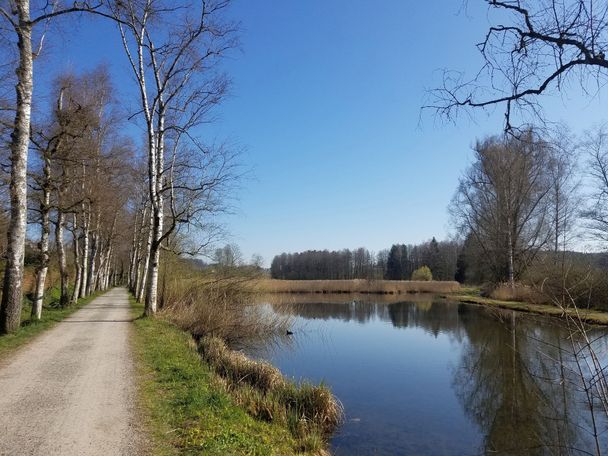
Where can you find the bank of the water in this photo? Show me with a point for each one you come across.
(355, 286)
(590, 316)
(186, 406)
(29, 328)
(422, 375)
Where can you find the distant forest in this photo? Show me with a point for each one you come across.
(447, 260)
(396, 263)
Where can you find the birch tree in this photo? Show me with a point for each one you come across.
(173, 49)
(503, 201)
(64, 126)
(596, 214)
(18, 17)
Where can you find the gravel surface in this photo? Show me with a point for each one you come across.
(72, 391)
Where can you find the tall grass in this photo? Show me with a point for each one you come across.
(222, 307)
(185, 408)
(519, 293)
(220, 311)
(355, 286)
(310, 412)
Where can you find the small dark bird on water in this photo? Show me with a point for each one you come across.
(288, 333)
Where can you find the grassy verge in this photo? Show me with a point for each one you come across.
(187, 411)
(29, 329)
(589, 316)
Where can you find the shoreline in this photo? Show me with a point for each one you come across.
(191, 402)
(451, 291)
(590, 316)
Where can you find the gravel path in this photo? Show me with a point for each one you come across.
(71, 391)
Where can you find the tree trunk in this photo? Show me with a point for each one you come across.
(152, 292)
(85, 255)
(43, 244)
(139, 259)
(78, 275)
(510, 266)
(108, 270)
(157, 232)
(10, 307)
(157, 162)
(63, 269)
(92, 276)
(144, 269)
(133, 252)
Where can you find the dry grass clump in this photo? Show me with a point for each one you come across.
(311, 412)
(312, 405)
(355, 286)
(237, 367)
(517, 293)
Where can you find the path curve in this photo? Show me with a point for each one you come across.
(71, 391)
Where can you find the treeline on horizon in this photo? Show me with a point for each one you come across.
(397, 263)
(521, 209)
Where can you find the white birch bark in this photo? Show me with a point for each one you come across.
(61, 260)
(43, 244)
(76, 247)
(144, 268)
(10, 306)
(86, 218)
(92, 275)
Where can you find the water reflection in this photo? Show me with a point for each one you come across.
(507, 384)
(427, 376)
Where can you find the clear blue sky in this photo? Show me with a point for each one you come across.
(326, 100)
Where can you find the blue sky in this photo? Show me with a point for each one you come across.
(326, 102)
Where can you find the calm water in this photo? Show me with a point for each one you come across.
(438, 378)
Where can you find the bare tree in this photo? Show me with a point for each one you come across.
(596, 214)
(564, 195)
(64, 126)
(174, 49)
(534, 47)
(18, 18)
(502, 200)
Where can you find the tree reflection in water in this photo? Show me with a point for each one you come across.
(516, 381)
(515, 376)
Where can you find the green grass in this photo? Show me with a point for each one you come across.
(185, 409)
(29, 329)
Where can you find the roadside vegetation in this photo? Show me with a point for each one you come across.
(204, 398)
(206, 318)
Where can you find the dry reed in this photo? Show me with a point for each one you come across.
(518, 293)
(223, 308)
(261, 389)
(354, 286)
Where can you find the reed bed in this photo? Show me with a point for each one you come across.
(355, 286)
(220, 307)
(310, 412)
(519, 293)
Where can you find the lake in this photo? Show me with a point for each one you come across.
(418, 375)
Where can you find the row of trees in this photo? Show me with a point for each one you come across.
(106, 219)
(81, 182)
(397, 263)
